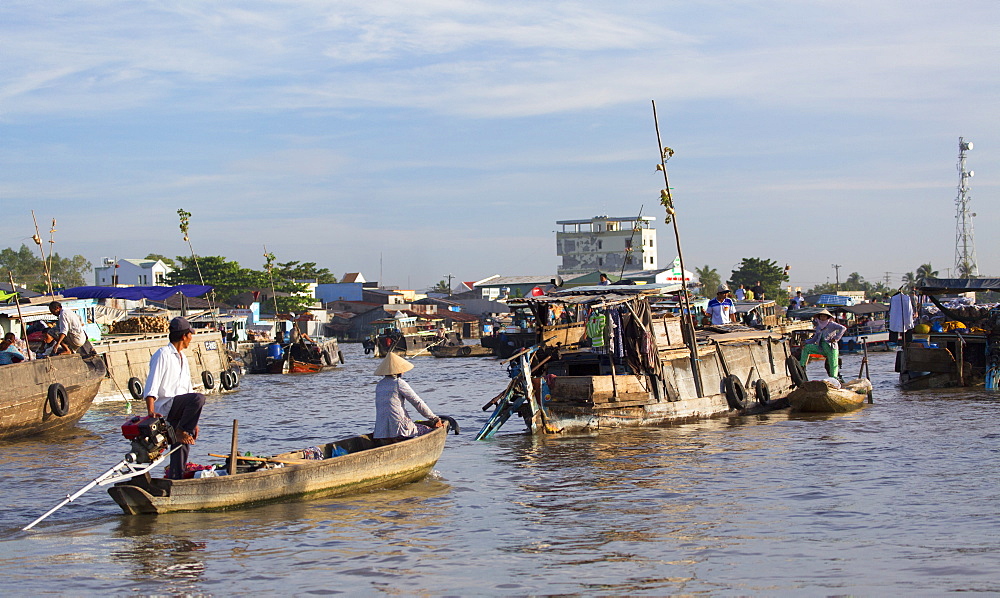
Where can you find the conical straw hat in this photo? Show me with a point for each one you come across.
(393, 364)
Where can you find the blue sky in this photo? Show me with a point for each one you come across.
(429, 138)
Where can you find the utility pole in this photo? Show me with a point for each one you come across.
(887, 278)
(837, 268)
(449, 284)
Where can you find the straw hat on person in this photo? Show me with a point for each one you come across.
(823, 312)
(393, 364)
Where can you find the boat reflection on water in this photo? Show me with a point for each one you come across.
(175, 545)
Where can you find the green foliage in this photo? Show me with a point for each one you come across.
(28, 269)
(854, 282)
(924, 272)
(304, 271)
(710, 280)
(227, 277)
(166, 260)
(440, 287)
(768, 272)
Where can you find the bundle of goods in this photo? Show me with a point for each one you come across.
(141, 325)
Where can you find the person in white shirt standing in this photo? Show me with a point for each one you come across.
(169, 393)
(722, 309)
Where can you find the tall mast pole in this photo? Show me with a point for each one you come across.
(668, 203)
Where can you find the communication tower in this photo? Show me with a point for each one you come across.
(965, 245)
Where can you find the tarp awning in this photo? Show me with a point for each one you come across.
(136, 293)
(936, 286)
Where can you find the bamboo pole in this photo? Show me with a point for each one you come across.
(685, 302)
(20, 318)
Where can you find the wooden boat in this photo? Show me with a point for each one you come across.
(42, 395)
(662, 375)
(460, 351)
(365, 467)
(968, 356)
(313, 357)
(820, 396)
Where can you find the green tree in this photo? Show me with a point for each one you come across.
(227, 277)
(924, 272)
(909, 281)
(441, 287)
(304, 271)
(768, 272)
(283, 276)
(710, 280)
(28, 269)
(166, 260)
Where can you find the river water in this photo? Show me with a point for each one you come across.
(898, 498)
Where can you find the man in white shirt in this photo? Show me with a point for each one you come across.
(722, 309)
(70, 332)
(169, 393)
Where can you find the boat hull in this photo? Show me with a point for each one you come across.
(410, 345)
(592, 404)
(460, 351)
(25, 407)
(127, 356)
(817, 396)
(367, 469)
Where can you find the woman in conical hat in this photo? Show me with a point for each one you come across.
(392, 423)
(824, 341)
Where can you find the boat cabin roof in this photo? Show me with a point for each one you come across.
(605, 294)
(937, 286)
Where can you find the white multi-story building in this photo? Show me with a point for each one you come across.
(139, 273)
(603, 242)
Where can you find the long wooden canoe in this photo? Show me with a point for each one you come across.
(365, 467)
(818, 396)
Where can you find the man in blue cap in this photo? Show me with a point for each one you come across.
(169, 392)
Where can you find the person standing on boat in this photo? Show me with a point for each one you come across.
(169, 392)
(604, 280)
(70, 332)
(722, 309)
(741, 293)
(798, 300)
(824, 342)
(392, 423)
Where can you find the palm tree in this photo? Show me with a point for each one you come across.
(924, 272)
(909, 280)
(965, 270)
(710, 280)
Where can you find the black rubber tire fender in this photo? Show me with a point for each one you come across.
(226, 378)
(465, 351)
(796, 371)
(208, 380)
(736, 393)
(58, 399)
(135, 388)
(762, 391)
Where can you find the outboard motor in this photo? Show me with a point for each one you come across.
(150, 436)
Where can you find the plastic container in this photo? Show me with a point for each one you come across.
(275, 352)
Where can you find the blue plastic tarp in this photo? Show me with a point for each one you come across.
(136, 293)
